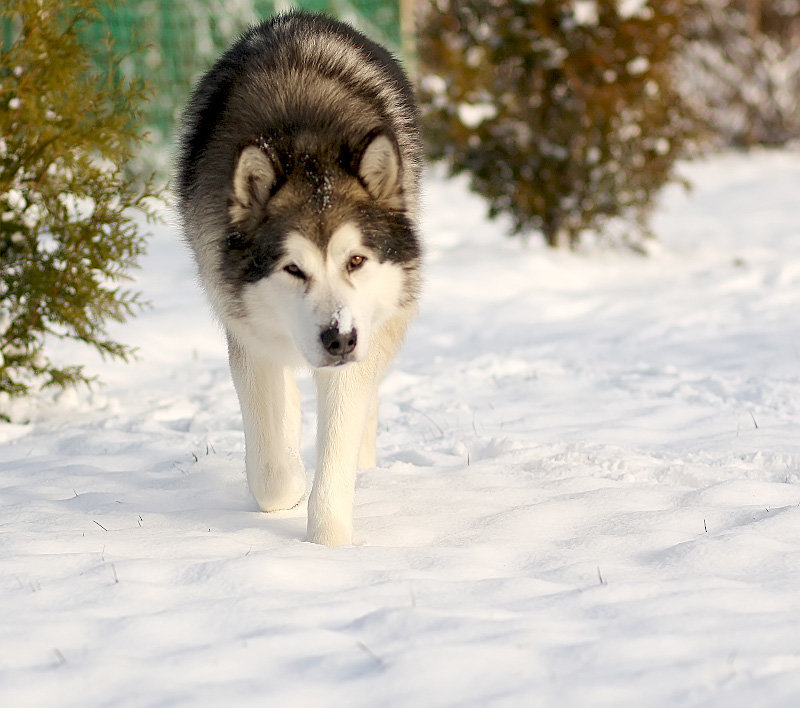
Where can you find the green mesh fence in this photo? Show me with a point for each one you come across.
(181, 38)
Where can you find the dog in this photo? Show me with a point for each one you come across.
(297, 186)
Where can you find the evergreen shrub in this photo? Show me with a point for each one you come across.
(70, 214)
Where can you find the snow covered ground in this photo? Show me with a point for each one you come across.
(588, 492)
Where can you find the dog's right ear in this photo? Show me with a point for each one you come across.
(253, 179)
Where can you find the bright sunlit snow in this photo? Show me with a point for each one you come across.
(588, 492)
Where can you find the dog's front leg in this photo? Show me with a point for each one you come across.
(344, 398)
(367, 456)
(270, 404)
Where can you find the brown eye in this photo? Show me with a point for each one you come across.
(355, 263)
(292, 269)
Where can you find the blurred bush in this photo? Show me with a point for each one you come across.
(564, 113)
(70, 212)
(741, 69)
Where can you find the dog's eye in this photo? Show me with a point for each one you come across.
(292, 269)
(355, 263)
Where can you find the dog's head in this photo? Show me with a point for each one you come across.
(320, 245)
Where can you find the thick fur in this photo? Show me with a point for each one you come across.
(297, 185)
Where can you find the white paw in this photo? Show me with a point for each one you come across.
(274, 492)
(329, 532)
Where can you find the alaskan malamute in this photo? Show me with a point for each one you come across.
(297, 185)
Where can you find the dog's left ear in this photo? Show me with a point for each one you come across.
(379, 168)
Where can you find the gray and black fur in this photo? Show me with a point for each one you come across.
(311, 92)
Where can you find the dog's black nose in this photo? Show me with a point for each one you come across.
(338, 343)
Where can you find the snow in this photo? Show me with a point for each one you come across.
(588, 492)
(473, 114)
(585, 12)
(639, 65)
(343, 319)
(632, 8)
